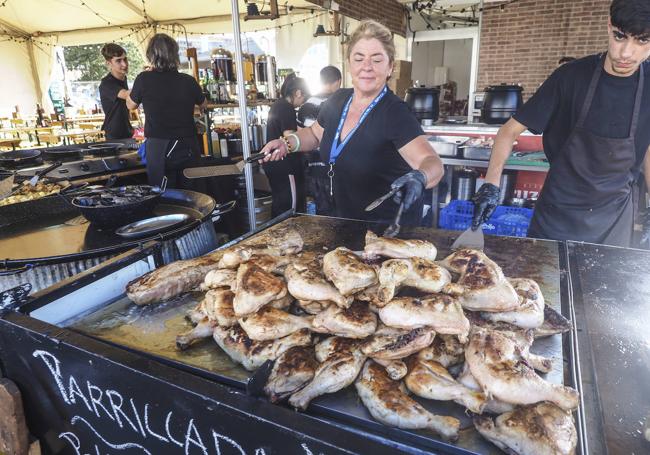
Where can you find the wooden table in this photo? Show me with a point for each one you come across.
(13, 143)
(66, 135)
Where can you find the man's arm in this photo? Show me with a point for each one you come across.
(421, 156)
(124, 93)
(503, 143)
(130, 103)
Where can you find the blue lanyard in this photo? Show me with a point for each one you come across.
(338, 148)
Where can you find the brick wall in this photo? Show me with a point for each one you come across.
(523, 42)
(388, 12)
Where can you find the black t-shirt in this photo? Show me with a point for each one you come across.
(116, 115)
(168, 98)
(370, 161)
(282, 117)
(555, 107)
(308, 112)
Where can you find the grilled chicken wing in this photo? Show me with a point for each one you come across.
(398, 248)
(252, 354)
(388, 403)
(481, 286)
(429, 379)
(271, 324)
(497, 365)
(445, 349)
(417, 273)
(309, 283)
(441, 312)
(256, 288)
(348, 273)
(291, 371)
(530, 313)
(395, 344)
(218, 278)
(354, 322)
(275, 242)
(540, 429)
(336, 372)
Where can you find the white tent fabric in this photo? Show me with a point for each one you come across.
(40, 25)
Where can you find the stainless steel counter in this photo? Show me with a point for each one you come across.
(472, 128)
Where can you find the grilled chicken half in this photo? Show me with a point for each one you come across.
(307, 282)
(256, 288)
(271, 324)
(291, 371)
(337, 371)
(398, 248)
(540, 429)
(498, 366)
(482, 285)
(214, 310)
(347, 271)
(388, 403)
(252, 354)
(417, 273)
(354, 322)
(394, 344)
(440, 312)
(275, 242)
(530, 313)
(429, 379)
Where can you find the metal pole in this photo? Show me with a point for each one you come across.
(241, 98)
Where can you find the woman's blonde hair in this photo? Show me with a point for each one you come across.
(369, 29)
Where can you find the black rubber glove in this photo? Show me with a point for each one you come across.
(485, 201)
(412, 185)
(645, 233)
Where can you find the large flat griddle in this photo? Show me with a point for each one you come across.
(152, 330)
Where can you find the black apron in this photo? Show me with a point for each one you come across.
(168, 158)
(587, 195)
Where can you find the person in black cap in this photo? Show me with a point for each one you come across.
(594, 115)
(113, 91)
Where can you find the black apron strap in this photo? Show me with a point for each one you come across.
(637, 103)
(591, 92)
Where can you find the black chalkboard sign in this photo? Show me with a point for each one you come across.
(83, 397)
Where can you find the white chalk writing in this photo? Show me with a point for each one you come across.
(134, 420)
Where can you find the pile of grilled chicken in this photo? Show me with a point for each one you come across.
(333, 320)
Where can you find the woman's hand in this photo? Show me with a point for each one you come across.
(274, 150)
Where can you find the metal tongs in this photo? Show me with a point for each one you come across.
(254, 157)
(394, 228)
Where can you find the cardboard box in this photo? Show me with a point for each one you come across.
(402, 69)
(399, 86)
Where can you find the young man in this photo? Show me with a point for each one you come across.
(330, 79)
(595, 116)
(113, 91)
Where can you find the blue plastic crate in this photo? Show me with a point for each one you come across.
(512, 221)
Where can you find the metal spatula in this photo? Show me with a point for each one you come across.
(470, 239)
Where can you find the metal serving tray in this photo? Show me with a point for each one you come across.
(447, 145)
(109, 316)
(476, 153)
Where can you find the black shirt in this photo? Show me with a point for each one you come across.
(555, 107)
(168, 98)
(370, 161)
(308, 112)
(116, 115)
(282, 117)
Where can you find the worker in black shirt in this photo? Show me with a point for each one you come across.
(369, 138)
(113, 90)
(286, 177)
(168, 98)
(316, 180)
(596, 123)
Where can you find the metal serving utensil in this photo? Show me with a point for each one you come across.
(470, 239)
(394, 228)
(377, 202)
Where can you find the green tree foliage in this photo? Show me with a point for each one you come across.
(88, 60)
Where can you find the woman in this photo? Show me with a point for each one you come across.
(281, 121)
(168, 98)
(369, 137)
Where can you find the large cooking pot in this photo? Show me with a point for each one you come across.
(424, 102)
(118, 213)
(501, 102)
(19, 157)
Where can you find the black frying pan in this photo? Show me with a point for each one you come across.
(63, 152)
(19, 157)
(107, 148)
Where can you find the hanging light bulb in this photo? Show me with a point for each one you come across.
(320, 30)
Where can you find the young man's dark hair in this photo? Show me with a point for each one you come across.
(330, 74)
(111, 50)
(631, 17)
(564, 60)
